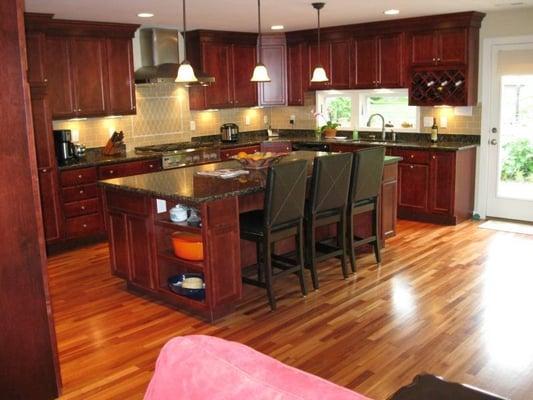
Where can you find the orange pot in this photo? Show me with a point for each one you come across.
(330, 133)
(188, 246)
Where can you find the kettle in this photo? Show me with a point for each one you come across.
(229, 132)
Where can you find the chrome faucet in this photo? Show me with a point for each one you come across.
(383, 136)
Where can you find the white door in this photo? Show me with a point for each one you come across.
(510, 166)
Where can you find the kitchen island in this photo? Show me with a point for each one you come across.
(139, 229)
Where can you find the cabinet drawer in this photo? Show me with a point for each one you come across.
(79, 193)
(413, 156)
(78, 208)
(128, 169)
(78, 177)
(81, 226)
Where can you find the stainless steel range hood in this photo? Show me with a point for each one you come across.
(160, 57)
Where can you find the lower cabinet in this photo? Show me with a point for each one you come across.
(50, 204)
(129, 224)
(436, 185)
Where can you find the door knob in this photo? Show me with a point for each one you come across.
(494, 130)
(494, 142)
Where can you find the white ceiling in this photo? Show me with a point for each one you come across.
(241, 15)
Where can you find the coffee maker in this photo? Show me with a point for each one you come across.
(64, 146)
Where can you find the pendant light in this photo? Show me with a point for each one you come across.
(260, 72)
(319, 73)
(185, 70)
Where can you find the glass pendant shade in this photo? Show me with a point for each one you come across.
(319, 75)
(260, 74)
(186, 73)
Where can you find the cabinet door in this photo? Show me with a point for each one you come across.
(274, 56)
(442, 182)
(340, 64)
(120, 71)
(60, 83)
(423, 48)
(87, 56)
(452, 46)
(51, 211)
(390, 61)
(35, 48)
(413, 187)
(295, 76)
(217, 63)
(139, 251)
(365, 61)
(314, 61)
(243, 64)
(42, 127)
(118, 237)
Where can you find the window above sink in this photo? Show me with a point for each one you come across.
(352, 109)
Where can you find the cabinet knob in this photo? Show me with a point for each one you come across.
(81, 191)
(151, 166)
(412, 156)
(434, 59)
(411, 166)
(45, 80)
(111, 172)
(83, 208)
(433, 157)
(133, 107)
(44, 170)
(84, 225)
(438, 59)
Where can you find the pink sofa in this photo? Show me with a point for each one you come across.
(205, 367)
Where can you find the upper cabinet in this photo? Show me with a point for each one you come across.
(295, 74)
(88, 67)
(439, 47)
(335, 58)
(378, 61)
(230, 58)
(274, 56)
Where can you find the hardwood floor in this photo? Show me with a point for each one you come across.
(452, 301)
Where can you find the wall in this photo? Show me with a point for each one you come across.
(163, 116)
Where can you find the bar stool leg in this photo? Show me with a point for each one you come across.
(351, 251)
(312, 252)
(267, 257)
(300, 257)
(260, 275)
(341, 243)
(375, 231)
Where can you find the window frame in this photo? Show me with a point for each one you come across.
(357, 97)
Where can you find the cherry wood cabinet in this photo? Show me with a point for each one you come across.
(295, 74)
(378, 61)
(274, 56)
(46, 163)
(87, 66)
(121, 170)
(436, 185)
(229, 57)
(335, 58)
(119, 58)
(439, 47)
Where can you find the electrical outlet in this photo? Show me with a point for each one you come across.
(247, 120)
(192, 125)
(428, 122)
(292, 119)
(265, 119)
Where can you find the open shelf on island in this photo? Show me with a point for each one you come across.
(163, 220)
(202, 304)
(169, 256)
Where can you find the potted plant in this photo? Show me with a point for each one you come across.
(330, 129)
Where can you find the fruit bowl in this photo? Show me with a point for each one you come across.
(258, 160)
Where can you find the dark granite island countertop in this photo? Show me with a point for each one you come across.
(185, 186)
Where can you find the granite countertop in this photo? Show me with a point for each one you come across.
(94, 157)
(184, 186)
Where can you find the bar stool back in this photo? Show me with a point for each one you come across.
(328, 200)
(282, 217)
(365, 187)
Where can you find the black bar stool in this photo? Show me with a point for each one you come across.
(328, 200)
(281, 218)
(365, 186)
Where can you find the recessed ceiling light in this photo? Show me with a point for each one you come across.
(392, 11)
(145, 15)
(277, 27)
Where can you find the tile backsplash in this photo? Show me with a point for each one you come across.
(163, 116)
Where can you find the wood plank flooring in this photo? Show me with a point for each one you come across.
(452, 301)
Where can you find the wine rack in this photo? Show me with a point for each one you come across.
(438, 87)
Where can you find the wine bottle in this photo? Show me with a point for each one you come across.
(434, 131)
